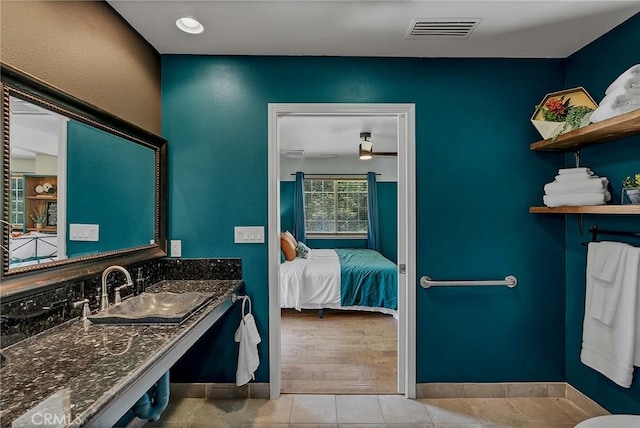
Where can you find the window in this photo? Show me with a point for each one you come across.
(335, 206)
(17, 201)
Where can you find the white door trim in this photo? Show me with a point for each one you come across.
(406, 232)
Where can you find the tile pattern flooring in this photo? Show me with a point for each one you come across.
(371, 411)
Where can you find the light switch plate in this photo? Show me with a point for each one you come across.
(176, 248)
(84, 232)
(248, 234)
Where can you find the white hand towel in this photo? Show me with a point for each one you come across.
(575, 176)
(591, 185)
(605, 272)
(632, 73)
(563, 171)
(611, 349)
(248, 337)
(576, 199)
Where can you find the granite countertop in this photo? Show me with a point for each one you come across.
(83, 365)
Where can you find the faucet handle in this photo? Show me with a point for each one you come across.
(85, 308)
(117, 298)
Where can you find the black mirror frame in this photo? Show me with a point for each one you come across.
(20, 282)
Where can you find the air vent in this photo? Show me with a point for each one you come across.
(441, 28)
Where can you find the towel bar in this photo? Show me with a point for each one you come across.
(235, 298)
(426, 282)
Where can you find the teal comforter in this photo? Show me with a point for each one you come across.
(367, 278)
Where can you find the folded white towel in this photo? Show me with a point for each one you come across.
(578, 176)
(576, 199)
(615, 103)
(628, 86)
(626, 98)
(611, 349)
(632, 73)
(590, 185)
(604, 112)
(605, 272)
(563, 171)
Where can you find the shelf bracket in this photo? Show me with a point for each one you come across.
(576, 155)
(581, 225)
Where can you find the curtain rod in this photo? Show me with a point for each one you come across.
(341, 175)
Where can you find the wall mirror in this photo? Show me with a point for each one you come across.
(82, 189)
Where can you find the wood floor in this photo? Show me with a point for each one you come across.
(345, 352)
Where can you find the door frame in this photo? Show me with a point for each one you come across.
(406, 231)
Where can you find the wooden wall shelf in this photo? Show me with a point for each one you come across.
(596, 209)
(607, 130)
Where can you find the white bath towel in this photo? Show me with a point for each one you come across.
(605, 269)
(563, 171)
(248, 337)
(605, 112)
(632, 73)
(576, 176)
(590, 185)
(576, 199)
(611, 349)
(617, 102)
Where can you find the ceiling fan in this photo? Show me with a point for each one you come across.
(365, 149)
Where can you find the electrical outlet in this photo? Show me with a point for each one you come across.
(176, 248)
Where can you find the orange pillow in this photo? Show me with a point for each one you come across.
(287, 247)
(293, 240)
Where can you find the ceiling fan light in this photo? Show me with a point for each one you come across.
(364, 151)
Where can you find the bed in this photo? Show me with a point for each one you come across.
(354, 279)
(32, 247)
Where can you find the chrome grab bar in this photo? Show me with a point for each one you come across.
(426, 282)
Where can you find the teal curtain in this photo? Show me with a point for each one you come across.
(298, 209)
(373, 223)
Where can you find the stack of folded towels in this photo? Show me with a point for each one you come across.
(575, 187)
(622, 96)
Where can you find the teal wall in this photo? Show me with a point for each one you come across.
(595, 67)
(388, 217)
(108, 182)
(476, 180)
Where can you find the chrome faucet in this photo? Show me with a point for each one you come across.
(104, 299)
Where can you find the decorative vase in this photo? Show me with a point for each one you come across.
(633, 194)
(39, 226)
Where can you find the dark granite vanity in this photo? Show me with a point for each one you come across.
(91, 374)
(81, 370)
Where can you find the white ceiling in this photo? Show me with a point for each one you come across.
(331, 136)
(513, 28)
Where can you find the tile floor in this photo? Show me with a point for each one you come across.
(371, 411)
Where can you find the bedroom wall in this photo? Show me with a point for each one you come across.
(595, 67)
(388, 217)
(99, 167)
(476, 180)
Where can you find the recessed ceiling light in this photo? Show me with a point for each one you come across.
(189, 25)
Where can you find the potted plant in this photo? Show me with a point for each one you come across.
(39, 218)
(563, 111)
(631, 187)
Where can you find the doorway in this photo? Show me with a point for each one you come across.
(406, 230)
